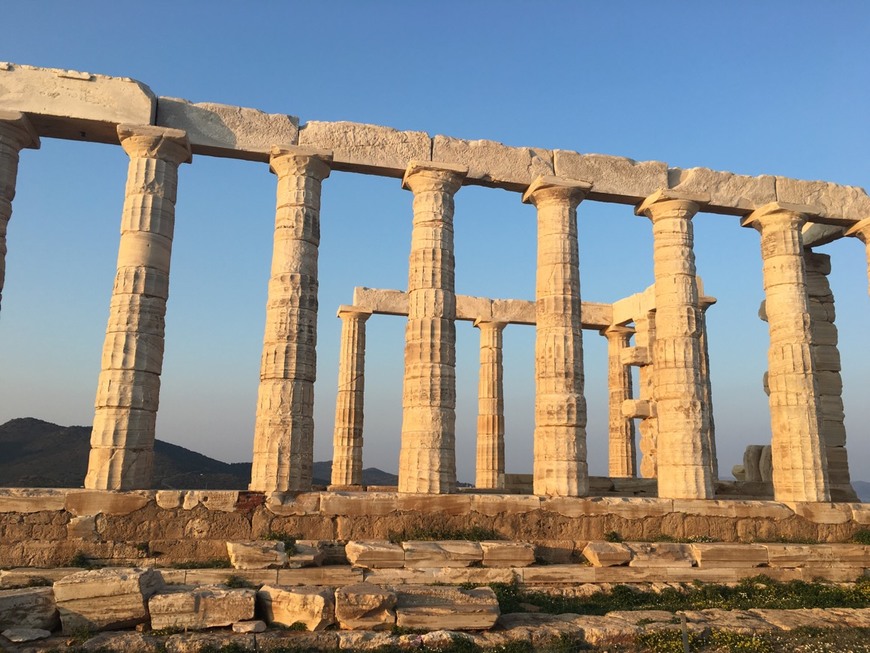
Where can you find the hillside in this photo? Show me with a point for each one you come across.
(41, 454)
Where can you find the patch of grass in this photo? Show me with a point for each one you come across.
(862, 536)
(667, 641)
(81, 559)
(237, 582)
(612, 536)
(288, 540)
(38, 581)
(432, 533)
(215, 563)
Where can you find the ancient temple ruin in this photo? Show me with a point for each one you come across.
(661, 329)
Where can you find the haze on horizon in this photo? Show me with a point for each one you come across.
(775, 88)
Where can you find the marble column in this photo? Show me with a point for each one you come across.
(705, 302)
(490, 413)
(645, 339)
(861, 231)
(347, 448)
(622, 454)
(684, 465)
(800, 471)
(284, 427)
(427, 460)
(122, 439)
(560, 408)
(16, 133)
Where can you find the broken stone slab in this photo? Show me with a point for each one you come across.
(493, 164)
(445, 553)
(255, 626)
(607, 554)
(375, 554)
(660, 554)
(724, 554)
(94, 502)
(198, 608)
(19, 635)
(799, 618)
(30, 607)
(442, 607)
(308, 553)
(285, 606)
(320, 576)
(75, 105)
(743, 622)
(367, 148)
(26, 500)
(365, 607)
(257, 554)
(613, 178)
(106, 599)
(228, 131)
(497, 553)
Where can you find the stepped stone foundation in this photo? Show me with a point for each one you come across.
(661, 330)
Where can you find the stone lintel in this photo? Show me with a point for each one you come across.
(860, 230)
(638, 408)
(816, 234)
(669, 195)
(348, 311)
(300, 150)
(635, 356)
(755, 218)
(160, 135)
(617, 329)
(543, 182)
(433, 166)
(22, 122)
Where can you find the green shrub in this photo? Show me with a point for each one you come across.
(288, 540)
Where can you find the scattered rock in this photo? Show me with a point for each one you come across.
(30, 607)
(19, 635)
(255, 626)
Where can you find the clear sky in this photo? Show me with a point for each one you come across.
(777, 87)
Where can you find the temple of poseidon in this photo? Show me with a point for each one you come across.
(661, 329)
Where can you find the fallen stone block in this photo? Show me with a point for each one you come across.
(446, 553)
(507, 554)
(723, 554)
(307, 554)
(607, 554)
(255, 626)
(365, 607)
(198, 608)
(436, 608)
(660, 554)
(375, 554)
(19, 635)
(31, 607)
(314, 607)
(257, 555)
(106, 599)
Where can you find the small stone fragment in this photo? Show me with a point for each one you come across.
(375, 554)
(607, 554)
(257, 555)
(255, 626)
(19, 635)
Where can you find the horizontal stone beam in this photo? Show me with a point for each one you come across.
(816, 235)
(75, 105)
(469, 309)
(638, 305)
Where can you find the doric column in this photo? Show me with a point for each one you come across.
(490, 402)
(347, 461)
(16, 133)
(705, 302)
(284, 428)
(799, 464)
(861, 231)
(560, 408)
(427, 460)
(122, 440)
(622, 455)
(684, 467)
(645, 340)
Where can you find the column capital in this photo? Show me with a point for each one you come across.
(481, 323)
(861, 231)
(150, 142)
(302, 161)
(433, 176)
(346, 311)
(16, 126)
(665, 201)
(616, 331)
(778, 213)
(706, 301)
(550, 188)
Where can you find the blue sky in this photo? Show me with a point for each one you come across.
(775, 87)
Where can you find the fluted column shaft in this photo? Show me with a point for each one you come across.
(645, 339)
(861, 231)
(684, 467)
(347, 460)
(560, 407)
(706, 386)
(284, 427)
(122, 439)
(16, 133)
(799, 463)
(427, 460)
(490, 402)
(622, 454)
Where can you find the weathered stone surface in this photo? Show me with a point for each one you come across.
(493, 164)
(224, 130)
(93, 502)
(314, 607)
(801, 618)
(319, 576)
(367, 148)
(31, 607)
(721, 554)
(446, 553)
(307, 554)
(19, 635)
(497, 553)
(222, 500)
(375, 554)
(106, 599)
(607, 554)
(834, 202)
(365, 606)
(660, 554)
(255, 626)
(446, 607)
(75, 105)
(257, 555)
(26, 500)
(197, 608)
(737, 621)
(613, 178)
(729, 193)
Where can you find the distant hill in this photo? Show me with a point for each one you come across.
(862, 488)
(41, 454)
